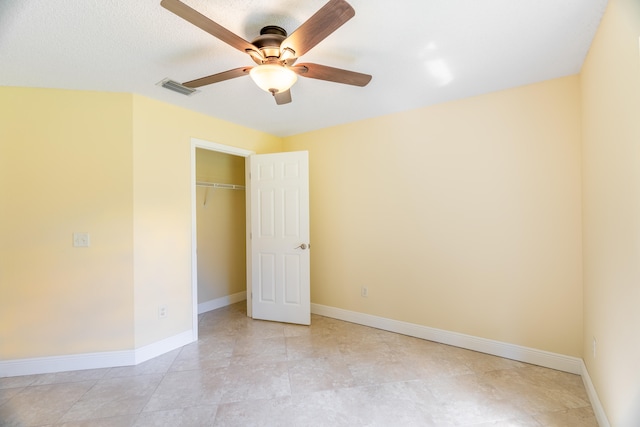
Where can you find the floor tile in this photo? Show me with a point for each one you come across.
(253, 350)
(276, 412)
(312, 346)
(42, 404)
(309, 375)
(113, 397)
(481, 363)
(70, 377)
(579, 417)
(370, 351)
(7, 394)
(185, 417)
(119, 421)
(206, 353)
(157, 365)
(256, 381)
(537, 390)
(245, 372)
(466, 400)
(186, 389)
(520, 422)
(381, 405)
(15, 382)
(380, 371)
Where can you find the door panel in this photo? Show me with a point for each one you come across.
(280, 258)
(291, 279)
(267, 284)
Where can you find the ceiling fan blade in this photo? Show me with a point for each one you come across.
(324, 22)
(337, 75)
(215, 78)
(211, 27)
(283, 97)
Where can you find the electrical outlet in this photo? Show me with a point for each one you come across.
(364, 292)
(163, 311)
(593, 347)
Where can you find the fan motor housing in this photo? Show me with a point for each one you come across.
(269, 41)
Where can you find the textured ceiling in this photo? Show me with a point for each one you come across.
(420, 52)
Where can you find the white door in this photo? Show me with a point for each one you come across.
(279, 237)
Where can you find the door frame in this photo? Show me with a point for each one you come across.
(221, 148)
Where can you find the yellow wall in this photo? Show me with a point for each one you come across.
(222, 267)
(162, 208)
(611, 127)
(117, 166)
(464, 216)
(65, 167)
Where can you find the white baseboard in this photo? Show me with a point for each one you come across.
(598, 410)
(107, 359)
(221, 302)
(497, 348)
(166, 345)
(110, 359)
(72, 362)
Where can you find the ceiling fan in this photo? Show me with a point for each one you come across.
(275, 52)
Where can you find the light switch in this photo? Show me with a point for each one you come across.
(81, 240)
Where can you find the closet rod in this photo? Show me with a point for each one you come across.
(219, 185)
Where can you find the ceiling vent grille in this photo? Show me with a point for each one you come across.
(176, 87)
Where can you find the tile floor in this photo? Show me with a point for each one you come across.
(252, 373)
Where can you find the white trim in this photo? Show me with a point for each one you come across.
(161, 347)
(496, 348)
(248, 246)
(213, 146)
(73, 362)
(107, 359)
(598, 410)
(206, 306)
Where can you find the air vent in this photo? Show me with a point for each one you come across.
(176, 87)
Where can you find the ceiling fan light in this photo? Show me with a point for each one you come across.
(273, 78)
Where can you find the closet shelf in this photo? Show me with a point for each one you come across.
(215, 185)
(219, 185)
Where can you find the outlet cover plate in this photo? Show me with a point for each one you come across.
(81, 240)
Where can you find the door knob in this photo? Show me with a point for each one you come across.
(302, 246)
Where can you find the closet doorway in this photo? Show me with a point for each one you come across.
(219, 226)
(276, 261)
